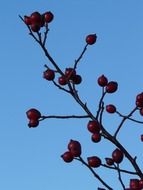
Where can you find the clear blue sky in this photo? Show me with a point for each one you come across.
(30, 158)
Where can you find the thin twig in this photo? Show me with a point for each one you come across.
(64, 117)
(123, 120)
(94, 173)
(61, 88)
(81, 55)
(119, 176)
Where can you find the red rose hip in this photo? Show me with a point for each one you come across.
(48, 16)
(33, 114)
(33, 123)
(93, 126)
(102, 81)
(49, 74)
(96, 137)
(91, 39)
(75, 148)
(94, 161)
(27, 20)
(111, 87)
(62, 80)
(110, 108)
(36, 18)
(117, 155)
(67, 157)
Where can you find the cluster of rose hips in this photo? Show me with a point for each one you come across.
(33, 115)
(69, 75)
(37, 20)
(135, 184)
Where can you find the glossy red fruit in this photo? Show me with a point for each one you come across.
(141, 183)
(62, 80)
(49, 74)
(110, 108)
(94, 161)
(48, 16)
(111, 87)
(27, 20)
(139, 97)
(70, 73)
(67, 157)
(117, 155)
(35, 27)
(33, 114)
(134, 183)
(109, 161)
(91, 39)
(94, 126)
(75, 148)
(36, 18)
(33, 123)
(96, 137)
(102, 81)
(77, 79)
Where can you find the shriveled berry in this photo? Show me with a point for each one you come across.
(111, 87)
(102, 81)
(109, 161)
(110, 108)
(91, 39)
(49, 74)
(67, 157)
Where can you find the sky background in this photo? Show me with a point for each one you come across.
(30, 158)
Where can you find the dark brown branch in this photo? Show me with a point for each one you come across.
(100, 103)
(64, 117)
(123, 120)
(45, 34)
(61, 88)
(94, 173)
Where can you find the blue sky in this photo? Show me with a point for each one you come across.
(30, 158)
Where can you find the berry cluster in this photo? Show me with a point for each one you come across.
(74, 150)
(37, 20)
(69, 75)
(135, 184)
(33, 115)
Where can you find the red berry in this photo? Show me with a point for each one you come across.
(77, 79)
(139, 97)
(75, 148)
(91, 39)
(70, 73)
(35, 27)
(49, 74)
(33, 114)
(36, 18)
(27, 20)
(94, 161)
(102, 81)
(96, 137)
(48, 16)
(110, 108)
(141, 111)
(117, 155)
(62, 80)
(33, 123)
(142, 137)
(67, 157)
(109, 161)
(111, 87)
(93, 126)
(134, 183)
(141, 183)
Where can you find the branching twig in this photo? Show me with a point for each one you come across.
(119, 176)
(123, 120)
